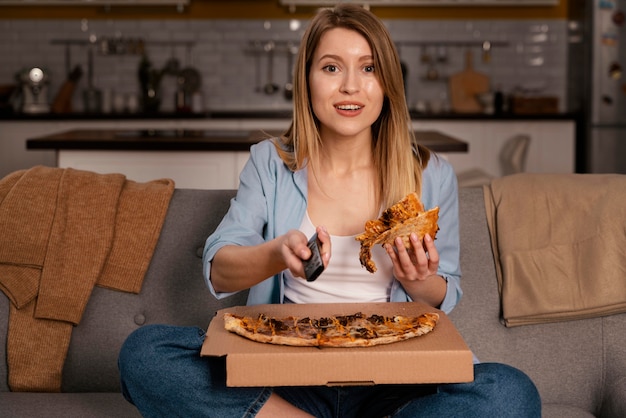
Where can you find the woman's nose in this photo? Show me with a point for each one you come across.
(350, 82)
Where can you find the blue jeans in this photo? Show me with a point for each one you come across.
(163, 375)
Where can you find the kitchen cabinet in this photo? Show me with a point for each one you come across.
(203, 159)
(207, 170)
(188, 169)
(552, 145)
(13, 135)
(552, 148)
(13, 153)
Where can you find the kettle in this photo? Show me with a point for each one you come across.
(34, 82)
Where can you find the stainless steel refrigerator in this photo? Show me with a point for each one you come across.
(605, 150)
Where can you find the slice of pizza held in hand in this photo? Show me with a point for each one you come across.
(399, 220)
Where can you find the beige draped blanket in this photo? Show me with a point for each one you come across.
(559, 242)
(62, 232)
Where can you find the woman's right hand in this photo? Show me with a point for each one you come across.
(294, 249)
(237, 267)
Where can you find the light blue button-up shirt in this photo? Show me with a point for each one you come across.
(272, 199)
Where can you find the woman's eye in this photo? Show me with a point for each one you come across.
(369, 68)
(330, 68)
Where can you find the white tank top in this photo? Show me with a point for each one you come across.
(344, 280)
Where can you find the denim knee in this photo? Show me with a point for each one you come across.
(155, 364)
(498, 390)
(515, 392)
(147, 347)
(137, 343)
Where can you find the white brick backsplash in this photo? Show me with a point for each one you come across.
(535, 58)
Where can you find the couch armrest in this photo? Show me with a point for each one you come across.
(614, 404)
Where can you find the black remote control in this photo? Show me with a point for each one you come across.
(314, 266)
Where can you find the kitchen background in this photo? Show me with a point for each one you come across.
(212, 64)
(232, 57)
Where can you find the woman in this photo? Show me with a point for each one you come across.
(348, 154)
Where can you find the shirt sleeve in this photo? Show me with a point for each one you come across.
(439, 188)
(245, 220)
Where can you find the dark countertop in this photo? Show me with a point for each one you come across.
(273, 114)
(146, 140)
(193, 140)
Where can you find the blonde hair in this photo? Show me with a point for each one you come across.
(398, 158)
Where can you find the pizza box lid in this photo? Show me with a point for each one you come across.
(441, 356)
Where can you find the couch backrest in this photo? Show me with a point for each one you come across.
(569, 361)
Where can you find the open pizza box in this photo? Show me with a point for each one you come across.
(440, 356)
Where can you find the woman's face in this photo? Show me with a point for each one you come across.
(346, 95)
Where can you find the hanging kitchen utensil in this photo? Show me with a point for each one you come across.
(92, 97)
(425, 57)
(442, 54)
(190, 79)
(172, 65)
(270, 86)
(291, 52)
(486, 52)
(150, 82)
(465, 86)
(258, 86)
(432, 73)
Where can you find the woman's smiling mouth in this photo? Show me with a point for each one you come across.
(348, 107)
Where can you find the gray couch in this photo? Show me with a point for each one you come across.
(578, 366)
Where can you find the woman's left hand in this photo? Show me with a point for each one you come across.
(417, 264)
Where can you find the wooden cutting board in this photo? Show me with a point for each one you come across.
(465, 85)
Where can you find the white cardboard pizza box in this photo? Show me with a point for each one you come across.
(441, 356)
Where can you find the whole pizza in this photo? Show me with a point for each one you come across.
(357, 330)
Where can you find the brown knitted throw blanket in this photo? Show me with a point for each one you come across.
(63, 232)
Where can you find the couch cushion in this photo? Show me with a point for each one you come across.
(553, 410)
(615, 400)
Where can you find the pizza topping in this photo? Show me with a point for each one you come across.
(357, 330)
(399, 220)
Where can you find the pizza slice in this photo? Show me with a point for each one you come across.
(399, 220)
